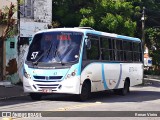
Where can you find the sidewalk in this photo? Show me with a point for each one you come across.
(152, 77)
(12, 91)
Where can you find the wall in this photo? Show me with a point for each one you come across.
(29, 28)
(10, 54)
(43, 11)
(11, 59)
(41, 18)
(22, 50)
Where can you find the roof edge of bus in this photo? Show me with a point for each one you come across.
(90, 30)
(65, 29)
(80, 29)
(128, 38)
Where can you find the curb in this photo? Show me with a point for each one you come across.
(152, 77)
(149, 79)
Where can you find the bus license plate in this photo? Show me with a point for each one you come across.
(46, 90)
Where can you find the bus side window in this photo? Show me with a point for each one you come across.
(128, 54)
(111, 49)
(104, 48)
(119, 48)
(93, 53)
(107, 48)
(137, 51)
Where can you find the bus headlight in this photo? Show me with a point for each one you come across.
(26, 74)
(68, 76)
(72, 74)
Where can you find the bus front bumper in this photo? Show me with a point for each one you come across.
(69, 86)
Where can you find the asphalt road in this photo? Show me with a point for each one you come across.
(140, 99)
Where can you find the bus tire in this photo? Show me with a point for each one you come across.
(123, 91)
(35, 96)
(86, 91)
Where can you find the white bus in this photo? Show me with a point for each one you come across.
(81, 61)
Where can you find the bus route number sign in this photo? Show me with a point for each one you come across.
(63, 37)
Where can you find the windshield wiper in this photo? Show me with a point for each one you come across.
(57, 53)
(47, 51)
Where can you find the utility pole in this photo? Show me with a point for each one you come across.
(18, 22)
(143, 26)
(143, 37)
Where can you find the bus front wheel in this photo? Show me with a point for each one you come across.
(35, 96)
(86, 91)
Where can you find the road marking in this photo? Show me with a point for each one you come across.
(67, 108)
(77, 106)
(7, 118)
(26, 105)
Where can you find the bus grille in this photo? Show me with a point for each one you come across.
(47, 78)
(47, 82)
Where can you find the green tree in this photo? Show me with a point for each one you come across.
(111, 16)
(66, 12)
(152, 29)
(117, 16)
(153, 42)
(6, 19)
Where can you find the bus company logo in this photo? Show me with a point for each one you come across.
(47, 78)
(6, 114)
(55, 73)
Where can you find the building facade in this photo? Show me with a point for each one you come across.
(35, 15)
(8, 51)
(32, 16)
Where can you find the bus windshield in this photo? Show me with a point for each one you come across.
(53, 47)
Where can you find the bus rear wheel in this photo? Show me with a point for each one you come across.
(35, 96)
(86, 91)
(123, 91)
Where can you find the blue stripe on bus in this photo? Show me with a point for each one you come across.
(120, 75)
(103, 78)
(128, 38)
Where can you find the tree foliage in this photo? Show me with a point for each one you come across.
(152, 29)
(111, 16)
(7, 20)
(117, 16)
(66, 12)
(153, 42)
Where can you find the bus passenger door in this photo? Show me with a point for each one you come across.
(91, 69)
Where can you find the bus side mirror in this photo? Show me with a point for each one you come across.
(88, 43)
